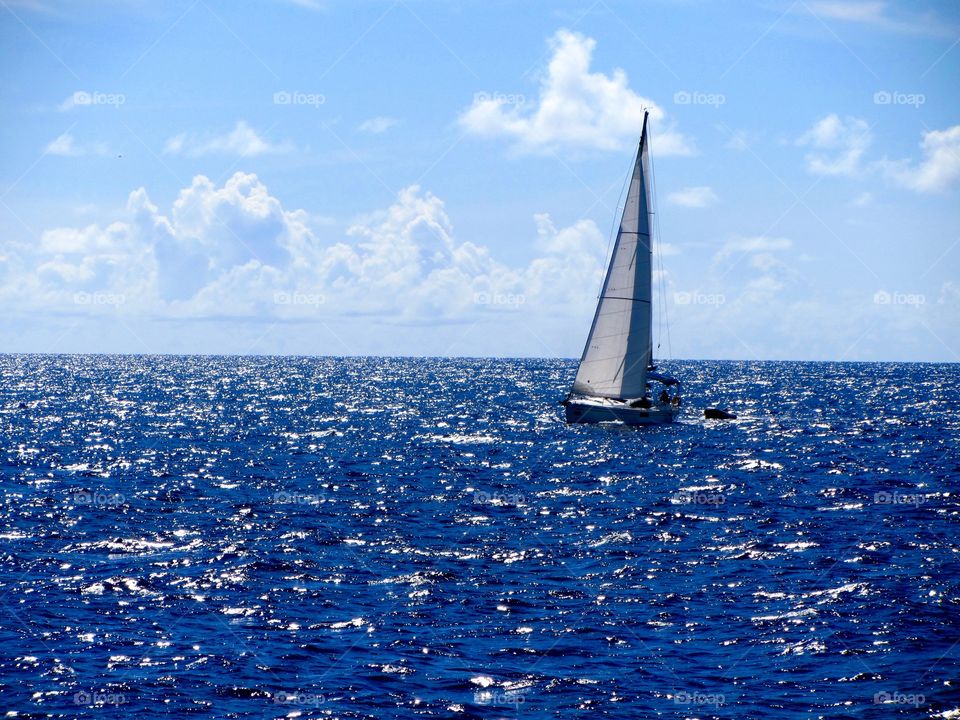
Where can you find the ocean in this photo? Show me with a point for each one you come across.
(256, 537)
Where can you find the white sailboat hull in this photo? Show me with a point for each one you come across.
(603, 410)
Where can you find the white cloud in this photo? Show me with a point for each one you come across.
(862, 11)
(228, 268)
(234, 250)
(937, 170)
(876, 13)
(69, 104)
(759, 300)
(66, 145)
(575, 108)
(243, 140)
(700, 196)
(377, 125)
(837, 145)
(762, 254)
(175, 144)
(63, 145)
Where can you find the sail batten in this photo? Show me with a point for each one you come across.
(618, 348)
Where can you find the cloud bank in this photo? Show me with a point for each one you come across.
(236, 251)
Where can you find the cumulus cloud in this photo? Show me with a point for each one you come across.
(243, 141)
(575, 107)
(837, 145)
(236, 251)
(229, 268)
(700, 196)
(377, 125)
(67, 146)
(937, 170)
(760, 300)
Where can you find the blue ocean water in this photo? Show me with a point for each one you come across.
(378, 538)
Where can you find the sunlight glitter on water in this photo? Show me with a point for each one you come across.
(359, 542)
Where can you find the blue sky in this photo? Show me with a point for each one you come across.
(441, 178)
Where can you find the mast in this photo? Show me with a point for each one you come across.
(619, 346)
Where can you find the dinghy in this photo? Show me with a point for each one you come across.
(616, 371)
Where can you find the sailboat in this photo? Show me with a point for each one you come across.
(613, 381)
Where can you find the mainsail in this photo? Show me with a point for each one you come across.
(618, 350)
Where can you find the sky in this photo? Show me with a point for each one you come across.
(439, 178)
